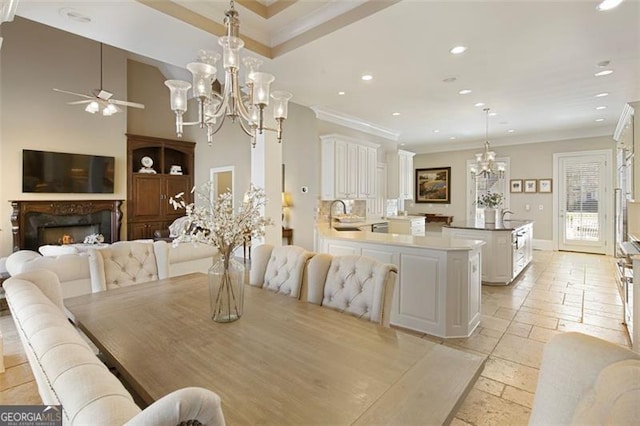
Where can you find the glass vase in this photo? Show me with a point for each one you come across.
(226, 291)
(489, 215)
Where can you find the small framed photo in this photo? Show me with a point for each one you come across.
(516, 185)
(544, 185)
(530, 185)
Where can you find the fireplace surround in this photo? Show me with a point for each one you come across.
(35, 223)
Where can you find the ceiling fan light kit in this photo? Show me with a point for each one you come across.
(244, 105)
(101, 100)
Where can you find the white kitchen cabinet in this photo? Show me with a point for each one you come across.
(410, 225)
(438, 290)
(348, 168)
(400, 175)
(507, 251)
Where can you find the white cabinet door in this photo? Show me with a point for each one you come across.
(348, 168)
(400, 176)
(341, 189)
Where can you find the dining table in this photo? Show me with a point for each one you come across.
(285, 361)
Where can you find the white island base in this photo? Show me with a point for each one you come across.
(438, 290)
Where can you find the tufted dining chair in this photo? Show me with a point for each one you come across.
(357, 285)
(123, 264)
(279, 269)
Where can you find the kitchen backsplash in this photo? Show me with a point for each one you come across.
(354, 207)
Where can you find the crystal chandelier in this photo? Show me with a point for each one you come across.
(486, 165)
(245, 105)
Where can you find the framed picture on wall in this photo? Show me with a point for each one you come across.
(544, 185)
(516, 185)
(433, 185)
(530, 185)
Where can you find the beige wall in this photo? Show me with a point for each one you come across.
(35, 59)
(526, 161)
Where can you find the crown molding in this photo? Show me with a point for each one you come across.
(354, 123)
(625, 117)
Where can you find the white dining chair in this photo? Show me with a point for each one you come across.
(279, 269)
(357, 285)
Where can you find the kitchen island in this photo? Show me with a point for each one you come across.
(438, 289)
(507, 252)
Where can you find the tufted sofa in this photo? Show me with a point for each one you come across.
(357, 285)
(280, 269)
(74, 274)
(586, 380)
(69, 374)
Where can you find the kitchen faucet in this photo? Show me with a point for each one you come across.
(344, 209)
(505, 212)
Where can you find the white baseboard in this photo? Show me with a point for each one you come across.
(542, 244)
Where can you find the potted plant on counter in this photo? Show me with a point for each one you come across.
(490, 201)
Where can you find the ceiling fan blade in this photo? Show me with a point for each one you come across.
(126, 103)
(72, 93)
(80, 102)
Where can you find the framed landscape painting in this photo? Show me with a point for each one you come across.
(433, 185)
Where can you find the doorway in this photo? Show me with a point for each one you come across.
(582, 207)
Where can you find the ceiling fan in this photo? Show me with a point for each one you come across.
(100, 99)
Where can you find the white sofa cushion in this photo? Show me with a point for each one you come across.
(184, 258)
(72, 271)
(54, 250)
(15, 261)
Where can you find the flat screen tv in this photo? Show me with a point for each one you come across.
(61, 172)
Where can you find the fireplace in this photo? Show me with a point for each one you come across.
(36, 223)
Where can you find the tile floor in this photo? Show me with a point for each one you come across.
(558, 292)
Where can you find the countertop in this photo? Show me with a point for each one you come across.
(366, 236)
(507, 225)
(409, 217)
(365, 222)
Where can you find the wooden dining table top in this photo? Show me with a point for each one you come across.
(283, 362)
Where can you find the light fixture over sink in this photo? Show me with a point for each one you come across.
(246, 106)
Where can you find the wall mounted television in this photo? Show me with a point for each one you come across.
(59, 172)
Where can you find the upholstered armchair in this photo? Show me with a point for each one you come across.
(279, 269)
(586, 380)
(123, 264)
(357, 285)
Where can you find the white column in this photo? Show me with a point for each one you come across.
(266, 172)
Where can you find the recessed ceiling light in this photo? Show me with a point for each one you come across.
(601, 107)
(479, 104)
(603, 64)
(511, 130)
(452, 137)
(608, 5)
(395, 114)
(367, 77)
(458, 50)
(599, 119)
(605, 72)
(341, 93)
(436, 131)
(449, 80)
(74, 15)
(465, 91)
(402, 144)
(493, 114)
(602, 95)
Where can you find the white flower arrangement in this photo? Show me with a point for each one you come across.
(94, 239)
(213, 221)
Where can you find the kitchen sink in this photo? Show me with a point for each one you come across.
(347, 228)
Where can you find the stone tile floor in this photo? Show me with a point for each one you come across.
(558, 292)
